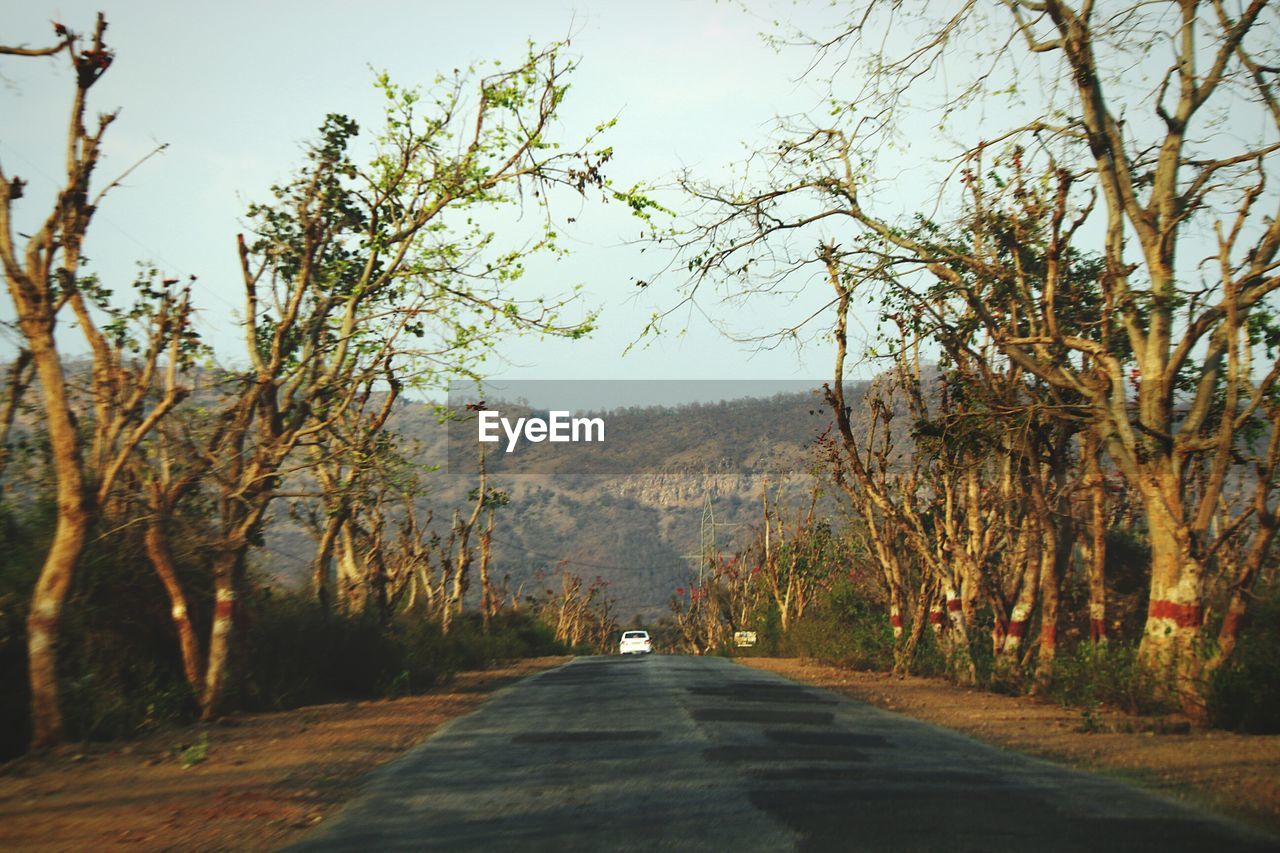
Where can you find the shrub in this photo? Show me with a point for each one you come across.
(298, 654)
(1109, 674)
(119, 666)
(845, 629)
(1245, 695)
(119, 663)
(24, 537)
(293, 653)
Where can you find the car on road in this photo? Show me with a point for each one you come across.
(635, 643)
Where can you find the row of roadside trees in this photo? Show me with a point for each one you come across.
(1084, 318)
(369, 272)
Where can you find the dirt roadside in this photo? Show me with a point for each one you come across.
(251, 782)
(1233, 774)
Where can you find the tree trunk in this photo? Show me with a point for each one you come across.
(1058, 540)
(905, 653)
(75, 518)
(322, 567)
(1175, 611)
(1229, 633)
(20, 372)
(43, 626)
(957, 632)
(157, 546)
(937, 618)
(1028, 558)
(486, 593)
(1097, 548)
(895, 621)
(1057, 536)
(352, 590)
(458, 587)
(226, 603)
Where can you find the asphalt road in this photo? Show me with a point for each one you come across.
(686, 753)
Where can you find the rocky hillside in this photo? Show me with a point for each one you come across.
(632, 519)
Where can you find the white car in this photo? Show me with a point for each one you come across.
(635, 643)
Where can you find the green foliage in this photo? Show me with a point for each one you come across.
(120, 668)
(511, 636)
(1089, 721)
(1245, 695)
(194, 754)
(296, 653)
(845, 629)
(24, 538)
(1109, 674)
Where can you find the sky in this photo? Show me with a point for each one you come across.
(236, 88)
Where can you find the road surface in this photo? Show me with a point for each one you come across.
(686, 753)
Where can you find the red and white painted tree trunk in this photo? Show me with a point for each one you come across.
(221, 634)
(1175, 609)
(157, 546)
(1054, 562)
(957, 637)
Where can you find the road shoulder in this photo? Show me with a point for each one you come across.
(252, 782)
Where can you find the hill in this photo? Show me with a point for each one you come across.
(629, 511)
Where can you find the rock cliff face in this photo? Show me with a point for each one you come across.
(673, 490)
(639, 532)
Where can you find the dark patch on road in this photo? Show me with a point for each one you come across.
(754, 715)
(847, 814)
(577, 674)
(825, 739)
(835, 816)
(773, 772)
(803, 773)
(588, 736)
(762, 693)
(901, 780)
(761, 753)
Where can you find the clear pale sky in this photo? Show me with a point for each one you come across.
(235, 88)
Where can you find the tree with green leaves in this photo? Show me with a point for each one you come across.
(359, 275)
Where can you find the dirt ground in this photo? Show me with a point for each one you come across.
(1237, 775)
(251, 782)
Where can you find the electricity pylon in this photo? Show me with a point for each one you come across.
(707, 536)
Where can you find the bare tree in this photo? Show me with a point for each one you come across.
(793, 563)
(353, 464)
(1177, 372)
(44, 277)
(358, 273)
